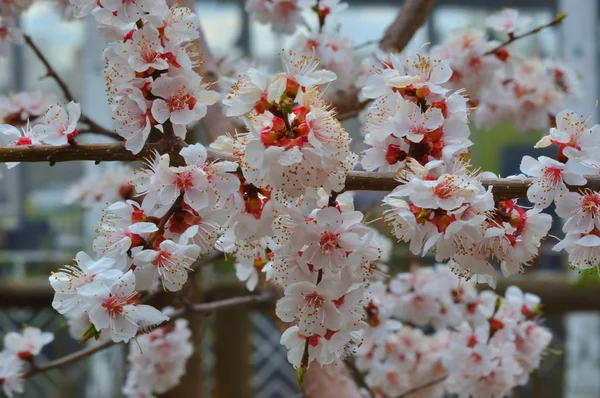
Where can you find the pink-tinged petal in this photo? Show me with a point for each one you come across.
(287, 308)
(531, 166)
(99, 317)
(142, 228)
(195, 154)
(160, 110)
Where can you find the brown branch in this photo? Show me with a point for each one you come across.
(430, 383)
(111, 152)
(50, 72)
(95, 128)
(512, 37)
(203, 308)
(411, 17)
(503, 188)
(358, 377)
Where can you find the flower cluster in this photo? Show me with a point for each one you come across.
(507, 87)
(323, 260)
(150, 67)
(143, 245)
(286, 16)
(483, 344)
(157, 360)
(450, 214)
(18, 349)
(578, 154)
(417, 128)
(412, 115)
(294, 141)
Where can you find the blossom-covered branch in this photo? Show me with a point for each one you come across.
(202, 308)
(512, 37)
(502, 188)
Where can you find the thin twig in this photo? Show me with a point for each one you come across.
(358, 377)
(51, 72)
(422, 386)
(203, 308)
(512, 37)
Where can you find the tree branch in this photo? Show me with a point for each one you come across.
(411, 17)
(512, 37)
(503, 188)
(203, 308)
(430, 383)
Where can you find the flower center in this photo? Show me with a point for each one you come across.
(184, 180)
(443, 190)
(554, 174)
(23, 141)
(114, 306)
(180, 102)
(314, 299)
(329, 241)
(162, 260)
(591, 203)
(394, 154)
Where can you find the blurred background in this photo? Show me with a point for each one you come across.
(239, 355)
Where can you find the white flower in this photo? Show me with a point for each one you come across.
(181, 100)
(144, 50)
(583, 249)
(283, 15)
(67, 281)
(581, 210)
(177, 25)
(11, 136)
(131, 112)
(124, 226)
(329, 238)
(508, 21)
(447, 192)
(312, 305)
(59, 125)
(250, 259)
(11, 371)
(549, 180)
(414, 124)
(82, 8)
(247, 93)
(527, 303)
(27, 344)
(115, 306)
(129, 10)
(574, 139)
(157, 360)
(170, 261)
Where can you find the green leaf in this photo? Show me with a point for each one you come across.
(90, 333)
